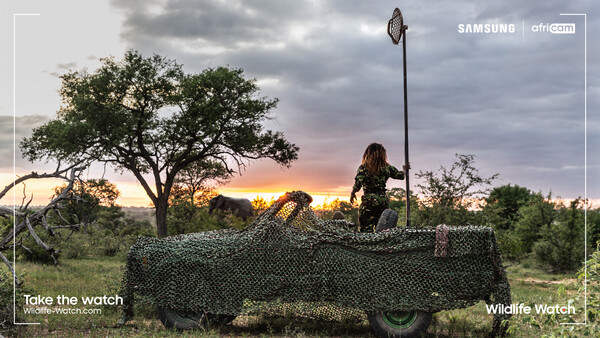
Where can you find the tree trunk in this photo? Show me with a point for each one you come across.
(84, 224)
(161, 218)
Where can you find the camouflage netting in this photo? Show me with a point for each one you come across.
(291, 261)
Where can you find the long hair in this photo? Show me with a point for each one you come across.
(374, 158)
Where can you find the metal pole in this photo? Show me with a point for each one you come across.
(406, 129)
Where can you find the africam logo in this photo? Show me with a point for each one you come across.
(554, 28)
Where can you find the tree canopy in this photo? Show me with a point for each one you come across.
(506, 200)
(92, 196)
(146, 116)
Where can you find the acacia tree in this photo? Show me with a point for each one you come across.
(146, 116)
(449, 193)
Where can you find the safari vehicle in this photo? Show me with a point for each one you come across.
(398, 277)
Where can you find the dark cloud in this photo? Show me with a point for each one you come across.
(21, 127)
(66, 66)
(222, 22)
(516, 101)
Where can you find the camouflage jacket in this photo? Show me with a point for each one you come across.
(375, 184)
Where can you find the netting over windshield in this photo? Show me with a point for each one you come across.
(290, 262)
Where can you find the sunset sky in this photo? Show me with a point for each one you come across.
(514, 100)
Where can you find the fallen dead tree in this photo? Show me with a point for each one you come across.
(28, 221)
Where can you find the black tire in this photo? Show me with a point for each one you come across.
(399, 324)
(173, 319)
(387, 220)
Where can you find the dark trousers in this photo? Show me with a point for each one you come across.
(370, 209)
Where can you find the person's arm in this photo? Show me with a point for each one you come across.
(397, 174)
(358, 181)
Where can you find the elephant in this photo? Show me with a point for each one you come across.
(241, 207)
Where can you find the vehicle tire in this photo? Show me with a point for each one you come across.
(179, 320)
(399, 324)
(189, 320)
(387, 220)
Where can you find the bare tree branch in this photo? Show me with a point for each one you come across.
(7, 262)
(28, 221)
(58, 173)
(39, 241)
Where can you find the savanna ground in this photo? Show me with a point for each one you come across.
(101, 276)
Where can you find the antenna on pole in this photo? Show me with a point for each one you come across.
(396, 30)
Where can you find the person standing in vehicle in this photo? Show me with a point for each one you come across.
(372, 176)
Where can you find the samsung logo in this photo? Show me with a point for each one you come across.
(486, 28)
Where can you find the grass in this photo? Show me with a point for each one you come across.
(102, 276)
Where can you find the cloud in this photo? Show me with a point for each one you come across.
(66, 66)
(514, 100)
(20, 127)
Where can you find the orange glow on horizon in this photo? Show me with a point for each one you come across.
(133, 195)
(319, 198)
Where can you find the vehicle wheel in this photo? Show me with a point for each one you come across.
(387, 220)
(399, 324)
(190, 320)
(180, 320)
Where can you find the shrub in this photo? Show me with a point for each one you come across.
(561, 246)
(6, 301)
(136, 228)
(203, 221)
(77, 246)
(592, 329)
(110, 246)
(593, 288)
(509, 245)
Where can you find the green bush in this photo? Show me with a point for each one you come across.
(136, 228)
(509, 245)
(593, 288)
(592, 329)
(561, 246)
(6, 301)
(110, 246)
(593, 224)
(200, 220)
(6, 225)
(544, 254)
(77, 246)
